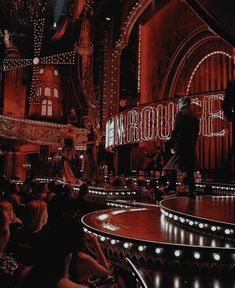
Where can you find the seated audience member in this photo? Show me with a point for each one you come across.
(118, 181)
(13, 195)
(31, 237)
(82, 204)
(30, 190)
(51, 191)
(13, 189)
(66, 199)
(71, 235)
(110, 180)
(43, 191)
(14, 222)
(145, 194)
(130, 182)
(54, 266)
(87, 267)
(35, 215)
(52, 273)
(11, 271)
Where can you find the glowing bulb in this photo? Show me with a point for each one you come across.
(197, 255)
(216, 256)
(177, 253)
(36, 61)
(158, 250)
(227, 231)
(126, 245)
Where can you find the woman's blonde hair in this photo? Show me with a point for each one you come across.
(34, 215)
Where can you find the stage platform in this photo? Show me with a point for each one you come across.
(156, 236)
(213, 215)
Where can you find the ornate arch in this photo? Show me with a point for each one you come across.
(196, 38)
(112, 79)
(200, 63)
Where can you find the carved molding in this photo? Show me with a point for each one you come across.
(38, 132)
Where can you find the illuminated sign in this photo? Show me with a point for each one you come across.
(156, 121)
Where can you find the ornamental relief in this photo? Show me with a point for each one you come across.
(38, 132)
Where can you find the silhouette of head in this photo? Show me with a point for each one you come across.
(184, 102)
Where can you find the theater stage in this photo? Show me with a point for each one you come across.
(187, 234)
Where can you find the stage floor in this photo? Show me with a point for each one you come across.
(171, 250)
(148, 224)
(214, 208)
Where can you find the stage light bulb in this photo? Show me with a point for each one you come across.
(141, 248)
(227, 231)
(216, 256)
(126, 245)
(113, 242)
(158, 250)
(197, 255)
(177, 253)
(182, 220)
(102, 238)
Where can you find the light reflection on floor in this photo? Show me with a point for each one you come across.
(171, 280)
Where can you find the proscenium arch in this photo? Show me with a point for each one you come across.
(134, 15)
(198, 37)
(113, 77)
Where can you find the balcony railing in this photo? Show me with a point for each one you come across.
(38, 132)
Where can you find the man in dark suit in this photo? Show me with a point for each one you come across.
(183, 144)
(229, 101)
(228, 107)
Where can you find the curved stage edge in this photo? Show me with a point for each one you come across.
(148, 236)
(212, 215)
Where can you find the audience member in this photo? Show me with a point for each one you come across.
(11, 271)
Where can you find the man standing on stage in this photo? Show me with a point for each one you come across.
(183, 144)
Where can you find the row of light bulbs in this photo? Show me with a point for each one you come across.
(201, 61)
(178, 253)
(195, 224)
